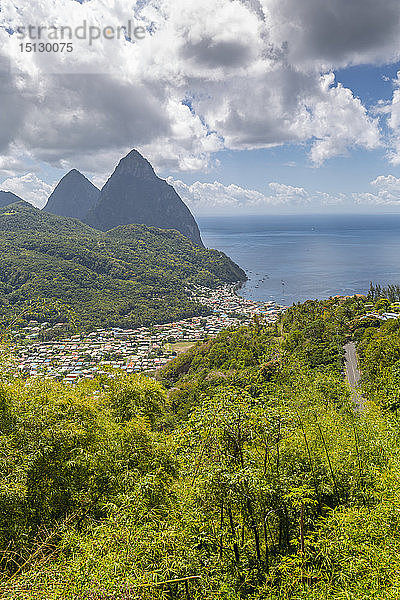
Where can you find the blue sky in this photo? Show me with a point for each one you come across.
(251, 106)
(290, 164)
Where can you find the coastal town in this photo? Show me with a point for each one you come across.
(146, 349)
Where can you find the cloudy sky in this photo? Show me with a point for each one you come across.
(251, 106)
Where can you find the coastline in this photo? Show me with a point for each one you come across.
(141, 350)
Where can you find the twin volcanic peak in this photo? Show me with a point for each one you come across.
(74, 196)
(133, 194)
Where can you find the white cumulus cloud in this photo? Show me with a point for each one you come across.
(28, 187)
(387, 192)
(207, 198)
(209, 74)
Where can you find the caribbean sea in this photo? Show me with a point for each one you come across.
(294, 258)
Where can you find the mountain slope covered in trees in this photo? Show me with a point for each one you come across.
(131, 276)
(244, 472)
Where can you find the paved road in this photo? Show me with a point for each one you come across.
(353, 374)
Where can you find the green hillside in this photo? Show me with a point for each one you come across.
(246, 472)
(130, 276)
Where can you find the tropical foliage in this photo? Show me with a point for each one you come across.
(244, 472)
(131, 276)
(390, 292)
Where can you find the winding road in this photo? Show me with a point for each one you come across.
(353, 374)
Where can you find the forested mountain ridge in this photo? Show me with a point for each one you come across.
(127, 277)
(133, 194)
(22, 216)
(245, 473)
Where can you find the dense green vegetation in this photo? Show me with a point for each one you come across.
(244, 472)
(379, 351)
(391, 292)
(130, 276)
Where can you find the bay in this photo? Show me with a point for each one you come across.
(293, 258)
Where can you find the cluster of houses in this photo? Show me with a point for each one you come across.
(225, 300)
(385, 316)
(382, 315)
(133, 350)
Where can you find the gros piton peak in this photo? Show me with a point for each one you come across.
(7, 198)
(134, 194)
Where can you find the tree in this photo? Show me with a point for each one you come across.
(382, 304)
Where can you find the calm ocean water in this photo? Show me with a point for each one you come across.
(294, 258)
